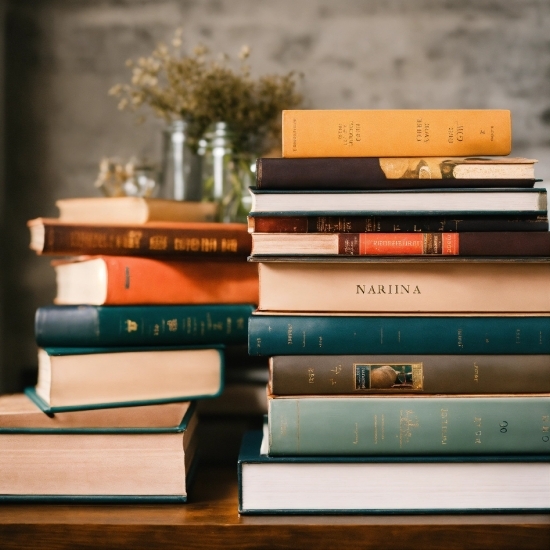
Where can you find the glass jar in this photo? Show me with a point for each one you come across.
(226, 174)
(181, 166)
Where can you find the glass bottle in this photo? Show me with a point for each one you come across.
(181, 166)
(226, 174)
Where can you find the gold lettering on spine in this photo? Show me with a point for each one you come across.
(444, 425)
(158, 242)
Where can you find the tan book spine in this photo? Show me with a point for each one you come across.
(396, 133)
(405, 287)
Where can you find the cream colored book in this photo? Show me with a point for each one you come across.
(130, 454)
(413, 286)
(138, 210)
(82, 378)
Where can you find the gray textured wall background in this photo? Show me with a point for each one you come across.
(61, 57)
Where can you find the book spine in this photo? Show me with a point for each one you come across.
(405, 287)
(133, 281)
(364, 173)
(405, 426)
(404, 244)
(387, 133)
(70, 239)
(393, 224)
(97, 326)
(338, 335)
(398, 374)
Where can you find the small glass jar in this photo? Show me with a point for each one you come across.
(226, 174)
(181, 166)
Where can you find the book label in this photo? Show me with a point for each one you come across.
(365, 244)
(390, 377)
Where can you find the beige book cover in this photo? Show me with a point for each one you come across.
(406, 287)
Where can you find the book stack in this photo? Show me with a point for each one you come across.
(405, 307)
(144, 312)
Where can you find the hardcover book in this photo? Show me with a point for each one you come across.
(333, 334)
(403, 374)
(400, 133)
(412, 425)
(133, 210)
(382, 485)
(393, 173)
(258, 223)
(403, 244)
(374, 286)
(125, 280)
(406, 203)
(133, 454)
(176, 239)
(91, 378)
(101, 326)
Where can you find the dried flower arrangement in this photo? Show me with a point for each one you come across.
(202, 90)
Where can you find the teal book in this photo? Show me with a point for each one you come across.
(389, 485)
(409, 426)
(346, 335)
(71, 379)
(132, 454)
(155, 325)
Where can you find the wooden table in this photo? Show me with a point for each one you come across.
(210, 520)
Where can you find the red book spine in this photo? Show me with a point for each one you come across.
(395, 244)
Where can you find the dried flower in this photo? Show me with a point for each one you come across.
(201, 90)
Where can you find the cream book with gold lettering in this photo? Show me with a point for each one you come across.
(419, 285)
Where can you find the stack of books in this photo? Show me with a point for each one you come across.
(144, 311)
(405, 307)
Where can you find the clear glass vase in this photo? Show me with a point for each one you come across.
(226, 174)
(181, 166)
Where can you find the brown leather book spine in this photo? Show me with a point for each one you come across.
(397, 224)
(396, 374)
(71, 239)
(507, 243)
(360, 173)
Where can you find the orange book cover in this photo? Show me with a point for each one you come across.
(126, 280)
(396, 133)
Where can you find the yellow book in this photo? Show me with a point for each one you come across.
(396, 133)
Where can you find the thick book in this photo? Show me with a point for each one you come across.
(331, 334)
(394, 224)
(92, 378)
(396, 133)
(161, 239)
(133, 210)
(406, 203)
(101, 326)
(435, 285)
(132, 454)
(412, 425)
(127, 280)
(372, 485)
(393, 173)
(510, 243)
(404, 374)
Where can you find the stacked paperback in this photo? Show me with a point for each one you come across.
(405, 308)
(146, 305)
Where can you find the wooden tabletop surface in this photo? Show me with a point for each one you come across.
(210, 520)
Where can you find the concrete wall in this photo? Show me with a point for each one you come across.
(63, 55)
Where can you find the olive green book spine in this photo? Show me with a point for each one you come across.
(404, 374)
(409, 426)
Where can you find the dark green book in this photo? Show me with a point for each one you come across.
(409, 426)
(101, 326)
(346, 335)
(404, 374)
(133, 454)
(371, 485)
(72, 379)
